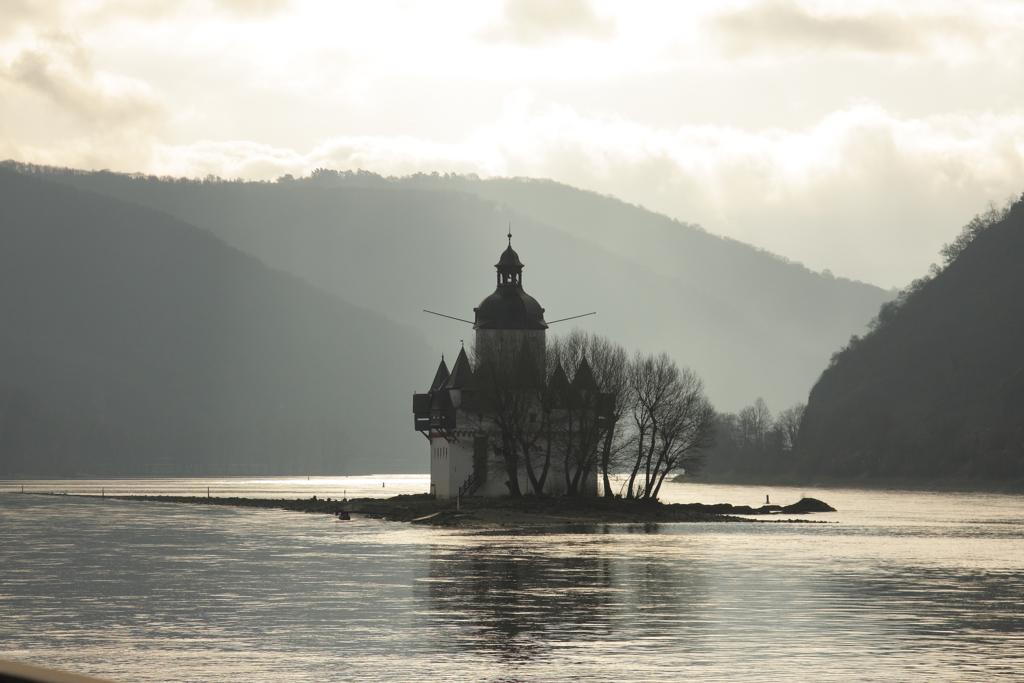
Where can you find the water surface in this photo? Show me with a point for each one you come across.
(902, 586)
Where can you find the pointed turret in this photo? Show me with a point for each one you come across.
(558, 387)
(440, 377)
(462, 373)
(584, 379)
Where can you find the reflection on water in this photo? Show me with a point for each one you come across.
(903, 586)
(514, 602)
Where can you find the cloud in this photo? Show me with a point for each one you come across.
(533, 22)
(60, 69)
(19, 13)
(778, 27)
(252, 7)
(40, 16)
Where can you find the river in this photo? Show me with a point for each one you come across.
(897, 586)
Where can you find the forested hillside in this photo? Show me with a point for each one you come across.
(750, 323)
(935, 392)
(134, 343)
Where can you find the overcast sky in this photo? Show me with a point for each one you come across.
(854, 137)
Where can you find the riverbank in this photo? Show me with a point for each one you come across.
(501, 512)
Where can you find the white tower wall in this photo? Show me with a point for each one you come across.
(451, 463)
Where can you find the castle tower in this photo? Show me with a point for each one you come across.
(456, 413)
(510, 318)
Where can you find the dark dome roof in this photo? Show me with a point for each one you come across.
(509, 308)
(509, 259)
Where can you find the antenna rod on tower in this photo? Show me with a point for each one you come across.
(572, 317)
(450, 317)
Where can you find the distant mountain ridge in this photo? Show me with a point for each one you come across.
(136, 344)
(935, 393)
(752, 324)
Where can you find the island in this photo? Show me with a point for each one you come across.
(499, 512)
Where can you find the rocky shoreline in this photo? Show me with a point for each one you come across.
(506, 512)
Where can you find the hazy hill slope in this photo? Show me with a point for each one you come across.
(750, 323)
(135, 343)
(783, 293)
(936, 392)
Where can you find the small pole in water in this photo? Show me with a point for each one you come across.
(382, 484)
(207, 491)
(766, 501)
(23, 488)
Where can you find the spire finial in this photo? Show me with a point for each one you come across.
(462, 344)
(510, 233)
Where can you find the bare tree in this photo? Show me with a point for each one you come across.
(534, 415)
(755, 421)
(788, 425)
(673, 422)
(610, 363)
(594, 424)
(540, 434)
(650, 383)
(645, 413)
(509, 382)
(688, 429)
(538, 442)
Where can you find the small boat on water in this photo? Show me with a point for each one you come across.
(343, 516)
